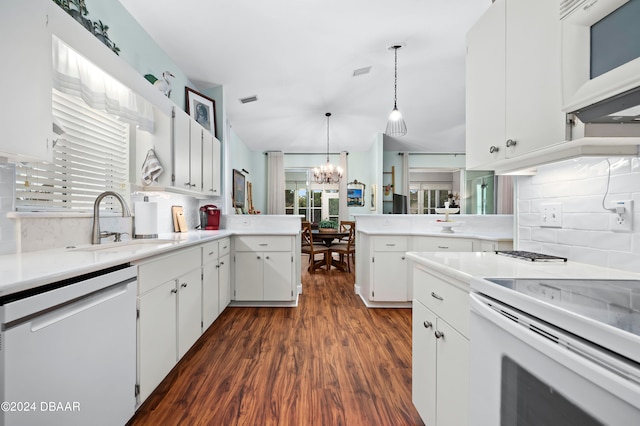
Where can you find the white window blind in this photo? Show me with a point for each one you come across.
(91, 156)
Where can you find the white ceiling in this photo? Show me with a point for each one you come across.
(298, 57)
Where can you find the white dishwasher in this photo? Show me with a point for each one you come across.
(68, 351)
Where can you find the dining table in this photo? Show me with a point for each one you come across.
(327, 239)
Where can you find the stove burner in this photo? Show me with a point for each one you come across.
(529, 255)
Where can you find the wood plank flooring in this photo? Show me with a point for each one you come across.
(330, 361)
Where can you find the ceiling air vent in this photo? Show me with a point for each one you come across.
(362, 71)
(249, 99)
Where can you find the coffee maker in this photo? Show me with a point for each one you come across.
(209, 217)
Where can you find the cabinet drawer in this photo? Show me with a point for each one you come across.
(164, 268)
(263, 243)
(390, 244)
(224, 246)
(443, 298)
(209, 252)
(443, 244)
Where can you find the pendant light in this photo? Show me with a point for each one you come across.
(327, 173)
(396, 125)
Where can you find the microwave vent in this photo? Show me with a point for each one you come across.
(567, 6)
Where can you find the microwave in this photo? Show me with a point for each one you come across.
(600, 60)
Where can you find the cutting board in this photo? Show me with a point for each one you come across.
(179, 221)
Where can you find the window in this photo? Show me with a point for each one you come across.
(425, 197)
(90, 156)
(311, 200)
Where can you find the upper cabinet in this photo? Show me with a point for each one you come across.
(25, 43)
(189, 154)
(513, 82)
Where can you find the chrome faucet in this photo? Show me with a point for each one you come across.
(95, 233)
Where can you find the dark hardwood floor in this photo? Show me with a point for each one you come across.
(330, 361)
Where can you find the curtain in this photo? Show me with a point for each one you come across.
(74, 75)
(275, 183)
(505, 195)
(343, 209)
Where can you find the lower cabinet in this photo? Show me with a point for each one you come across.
(389, 269)
(440, 350)
(264, 268)
(224, 277)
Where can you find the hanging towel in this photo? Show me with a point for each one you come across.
(151, 168)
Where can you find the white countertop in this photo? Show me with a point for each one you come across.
(488, 236)
(24, 271)
(464, 266)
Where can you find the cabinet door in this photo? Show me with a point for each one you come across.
(534, 118)
(248, 276)
(452, 377)
(195, 156)
(156, 336)
(485, 88)
(25, 43)
(189, 310)
(210, 294)
(210, 164)
(278, 276)
(389, 277)
(224, 277)
(181, 136)
(423, 355)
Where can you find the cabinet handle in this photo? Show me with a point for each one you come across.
(263, 244)
(174, 290)
(438, 334)
(443, 247)
(211, 252)
(267, 257)
(258, 257)
(390, 245)
(403, 258)
(217, 266)
(222, 263)
(183, 285)
(427, 324)
(510, 142)
(187, 184)
(493, 149)
(436, 296)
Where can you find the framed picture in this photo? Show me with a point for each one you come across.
(202, 109)
(238, 189)
(355, 194)
(374, 189)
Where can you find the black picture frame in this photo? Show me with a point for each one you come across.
(202, 109)
(239, 185)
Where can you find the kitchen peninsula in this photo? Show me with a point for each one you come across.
(383, 278)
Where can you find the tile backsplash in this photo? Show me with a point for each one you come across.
(581, 187)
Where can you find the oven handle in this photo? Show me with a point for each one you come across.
(611, 373)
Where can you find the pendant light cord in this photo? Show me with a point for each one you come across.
(395, 79)
(328, 115)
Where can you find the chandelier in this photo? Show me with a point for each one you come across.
(396, 125)
(327, 173)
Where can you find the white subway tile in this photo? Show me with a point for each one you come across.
(610, 240)
(624, 261)
(573, 238)
(544, 235)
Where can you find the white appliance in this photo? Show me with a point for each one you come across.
(68, 352)
(554, 352)
(601, 60)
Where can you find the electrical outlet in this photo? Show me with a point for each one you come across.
(551, 215)
(621, 220)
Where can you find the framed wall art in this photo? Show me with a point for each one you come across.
(201, 108)
(355, 194)
(238, 189)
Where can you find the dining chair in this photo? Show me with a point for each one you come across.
(346, 251)
(314, 249)
(346, 226)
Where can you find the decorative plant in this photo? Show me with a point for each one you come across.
(328, 224)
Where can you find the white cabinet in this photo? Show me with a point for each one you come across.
(169, 318)
(440, 356)
(25, 43)
(513, 93)
(389, 269)
(442, 244)
(215, 280)
(196, 156)
(210, 164)
(264, 268)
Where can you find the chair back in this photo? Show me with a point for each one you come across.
(307, 236)
(347, 225)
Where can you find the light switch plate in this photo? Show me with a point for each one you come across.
(622, 222)
(551, 215)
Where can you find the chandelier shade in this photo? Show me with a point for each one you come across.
(395, 125)
(327, 173)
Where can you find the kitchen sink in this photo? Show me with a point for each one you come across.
(126, 246)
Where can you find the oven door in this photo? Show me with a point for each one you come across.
(527, 372)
